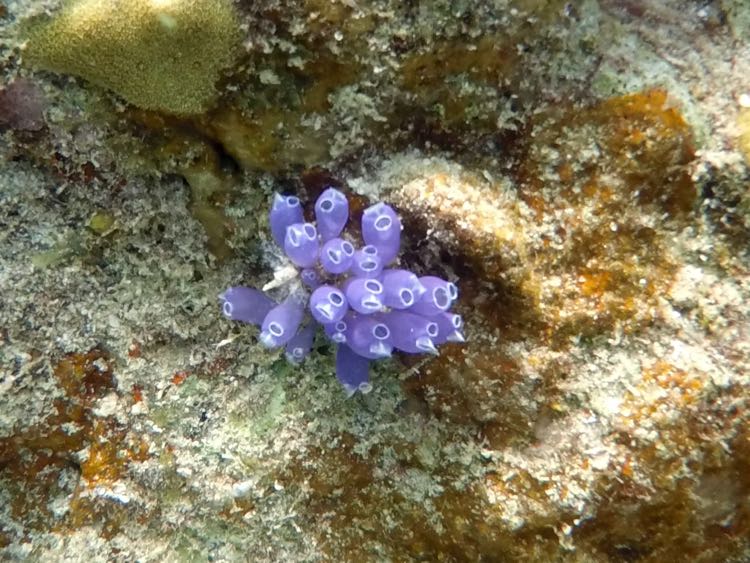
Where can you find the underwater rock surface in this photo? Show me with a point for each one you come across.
(580, 170)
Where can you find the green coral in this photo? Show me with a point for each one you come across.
(164, 55)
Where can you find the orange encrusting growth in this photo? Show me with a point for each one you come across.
(34, 459)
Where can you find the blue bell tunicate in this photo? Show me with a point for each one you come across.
(331, 213)
(412, 333)
(301, 244)
(364, 295)
(401, 288)
(285, 211)
(328, 304)
(450, 328)
(381, 228)
(281, 323)
(369, 337)
(352, 371)
(367, 311)
(437, 298)
(245, 304)
(336, 256)
(337, 331)
(310, 278)
(366, 262)
(298, 348)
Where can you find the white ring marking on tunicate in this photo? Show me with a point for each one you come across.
(407, 297)
(383, 223)
(227, 308)
(452, 290)
(374, 286)
(440, 298)
(371, 302)
(293, 236)
(381, 331)
(326, 205)
(275, 329)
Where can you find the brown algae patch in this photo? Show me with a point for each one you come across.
(72, 451)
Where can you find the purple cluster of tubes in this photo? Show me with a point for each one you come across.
(365, 305)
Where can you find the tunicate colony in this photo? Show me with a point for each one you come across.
(367, 309)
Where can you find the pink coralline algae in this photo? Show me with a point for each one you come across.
(366, 305)
(22, 106)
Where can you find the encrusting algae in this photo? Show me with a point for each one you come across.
(164, 55)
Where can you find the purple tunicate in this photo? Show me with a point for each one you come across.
(331, 213)
(401, 288)
(412, 333)
(281, 323)
(301, 244)
(298, 348)
(366, 262)
(437, 299)
(389, 249)
(352, 370)
(381, 228)
(245, 304)
(337, 331)
(450, 328)
(368, 311)
(336, 256)
(328, 304)
(310, 278)
(369, 337)
(364, 295)
(285, 211)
